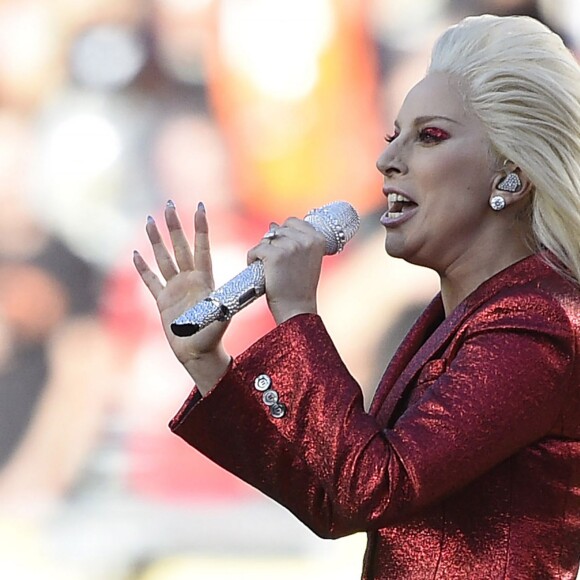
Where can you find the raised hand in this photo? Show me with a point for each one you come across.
(186, 278)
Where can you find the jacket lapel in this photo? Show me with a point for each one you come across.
(422, 342)
(429, 319)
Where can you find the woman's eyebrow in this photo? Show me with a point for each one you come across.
(428, 118)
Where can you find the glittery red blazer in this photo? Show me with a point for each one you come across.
(466, 466)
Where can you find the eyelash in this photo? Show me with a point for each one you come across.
(427, 135)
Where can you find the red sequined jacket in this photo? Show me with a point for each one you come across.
(466, 466)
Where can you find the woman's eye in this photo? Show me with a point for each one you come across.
(433, 135)
(391, 138)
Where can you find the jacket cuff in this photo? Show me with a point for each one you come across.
(274, 342)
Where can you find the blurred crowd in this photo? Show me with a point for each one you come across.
(259, 108)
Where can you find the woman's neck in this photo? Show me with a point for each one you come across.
(461, 279)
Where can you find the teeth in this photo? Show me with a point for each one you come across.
(394, 214)
(393, 197)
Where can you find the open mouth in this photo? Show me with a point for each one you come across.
(398, 205)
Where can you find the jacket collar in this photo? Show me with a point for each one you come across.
(433, 331)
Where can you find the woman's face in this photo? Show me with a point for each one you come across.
(438, 178)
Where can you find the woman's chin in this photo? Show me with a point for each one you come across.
(403, 252)
(393, 249)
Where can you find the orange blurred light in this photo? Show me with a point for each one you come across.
(294, 86)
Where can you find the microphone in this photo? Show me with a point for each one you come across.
(337, 221)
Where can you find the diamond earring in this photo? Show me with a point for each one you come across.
(511, 183)
(497, 202)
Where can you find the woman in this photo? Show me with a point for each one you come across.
(468, 463)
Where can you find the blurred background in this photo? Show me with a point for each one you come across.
(259, 108)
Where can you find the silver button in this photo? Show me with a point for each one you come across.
(278, 410)
(262, 383)
(270, 397)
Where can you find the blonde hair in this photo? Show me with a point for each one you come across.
(524, 85)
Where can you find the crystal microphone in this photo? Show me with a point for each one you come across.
(337, 221)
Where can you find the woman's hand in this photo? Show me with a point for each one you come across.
(292, 262)
(188, 278)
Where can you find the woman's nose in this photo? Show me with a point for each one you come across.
(390, 162)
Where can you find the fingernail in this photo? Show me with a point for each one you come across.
(170, 203)
(150, 219)
(200, 206)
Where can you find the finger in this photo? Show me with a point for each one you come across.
(287, 232)
(304, 231)
(299, 225)
(256, 253)
(270, 249)
(181, 249)
(149, 278)
(162, 256)
(201, 249)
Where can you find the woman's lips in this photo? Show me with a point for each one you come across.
(396, 218)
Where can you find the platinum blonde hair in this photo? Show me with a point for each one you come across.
(523, 84)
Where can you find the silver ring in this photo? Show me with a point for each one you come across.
(270, 235)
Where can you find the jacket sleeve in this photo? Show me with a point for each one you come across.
(340, 471)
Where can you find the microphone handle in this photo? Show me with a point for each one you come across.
(224, 302)
(337, 221)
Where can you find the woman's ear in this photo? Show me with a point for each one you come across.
(512, 187)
